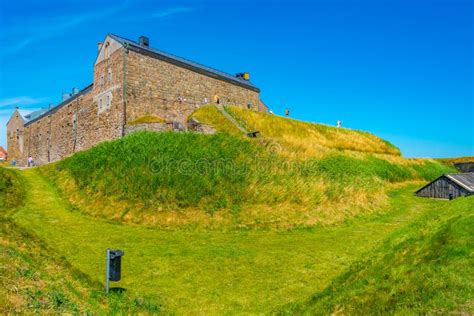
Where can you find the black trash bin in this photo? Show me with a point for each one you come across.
(115, 264)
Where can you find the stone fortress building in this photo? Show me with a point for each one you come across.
(131, 80)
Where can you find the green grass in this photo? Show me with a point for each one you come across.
(36, 279)
(223, 224)
(215, 272)
(11, 189)
(424, 268)
(223, 181)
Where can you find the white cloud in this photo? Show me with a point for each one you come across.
(38, 30)
(171, 11)
(21, 101)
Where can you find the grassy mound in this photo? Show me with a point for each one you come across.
(11, 190)
(426, 268)
(297, 138)
(174, 179)
(147, 119)
(212, 116)
(452, 161)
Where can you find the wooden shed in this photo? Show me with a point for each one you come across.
(449, 186)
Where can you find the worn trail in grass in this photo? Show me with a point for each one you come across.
(210, 271)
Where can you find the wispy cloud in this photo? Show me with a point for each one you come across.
(171, 11)
(21, 101)
(37, 31)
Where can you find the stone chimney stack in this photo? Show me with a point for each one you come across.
(144, 41)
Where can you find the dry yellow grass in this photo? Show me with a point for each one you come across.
(212, 116)
(283, 203)
(452, 161)
(147, 119)
(305, 139)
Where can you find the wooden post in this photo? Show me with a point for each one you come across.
(107, 272)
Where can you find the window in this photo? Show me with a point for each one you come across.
(101, 80)
(100, 104)
(108, 100)
(109, 75)
(107, 52)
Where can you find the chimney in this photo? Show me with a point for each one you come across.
(75, 91)
(144, 41)
(66, 96)
(243, 76)
(99, 46)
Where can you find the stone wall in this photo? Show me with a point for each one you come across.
(166, 127)
(93, 116)
(156, 87)
(16, 139)
(154, 127)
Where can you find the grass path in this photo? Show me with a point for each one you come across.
(209, 272)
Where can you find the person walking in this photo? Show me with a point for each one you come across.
(30, 161)
(339, 123)
(287, 112)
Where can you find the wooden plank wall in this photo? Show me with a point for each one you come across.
(442, 188)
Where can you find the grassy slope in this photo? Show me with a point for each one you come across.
(452, 161)
(212, 272)
(210, 115)
(35, 279)
(147, 119)
(296, 138)
(224, 181)
(11, 190)
(425, 268)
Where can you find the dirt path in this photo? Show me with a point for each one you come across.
(209, 272)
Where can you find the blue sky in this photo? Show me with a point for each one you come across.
(402, 69)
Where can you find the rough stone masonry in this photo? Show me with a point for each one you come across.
(131, 80)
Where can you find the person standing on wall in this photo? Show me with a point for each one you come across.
(287, 112)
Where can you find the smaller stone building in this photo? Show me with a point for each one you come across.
(449, 186)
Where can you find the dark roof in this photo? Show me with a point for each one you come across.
(60, 105)
(185, 63)
(464, 180)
